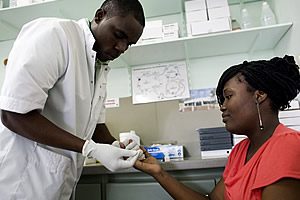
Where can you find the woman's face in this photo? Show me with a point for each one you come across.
(239, 108)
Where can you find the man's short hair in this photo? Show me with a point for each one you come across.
(124, 8)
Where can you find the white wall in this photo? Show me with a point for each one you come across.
(204, 72)
(288, 11)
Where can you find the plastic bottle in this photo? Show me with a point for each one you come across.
(246, 19)
(267, 16)
(130, 135)
(1, 4)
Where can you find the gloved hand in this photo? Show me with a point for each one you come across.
(110, 156)
(130, 145)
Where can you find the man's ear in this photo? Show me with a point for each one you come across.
(260, 96)
(100, 14)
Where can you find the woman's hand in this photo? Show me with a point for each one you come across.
(149, 165)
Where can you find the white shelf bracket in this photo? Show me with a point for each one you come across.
(252, 48)
(9, 25)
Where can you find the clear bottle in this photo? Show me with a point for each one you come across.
(267, 15)
(246, 19)
(1, 4)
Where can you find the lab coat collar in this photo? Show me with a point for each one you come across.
(90, 40)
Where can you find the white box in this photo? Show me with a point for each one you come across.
(224, 153)
(198, 28)
(167, 28)
(220, 24)
(220, 12)
(171, 35)
(153, 30)
(195, 5)
(171, 31)
(211, 26)
(216, 3)
(197, 15)
(24, 2)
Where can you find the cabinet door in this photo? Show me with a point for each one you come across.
(150, 191)
(135, 191)
(88, 191)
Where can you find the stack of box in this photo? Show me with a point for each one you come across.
(207, 16)
(215, 142)
(195, 12)
(156, 31)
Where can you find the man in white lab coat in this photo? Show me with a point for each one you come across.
(52, 101)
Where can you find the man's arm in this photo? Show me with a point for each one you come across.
(102, 135)
(36, 127)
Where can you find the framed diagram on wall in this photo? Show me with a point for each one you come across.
(159, 82)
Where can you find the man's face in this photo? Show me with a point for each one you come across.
(114, 35)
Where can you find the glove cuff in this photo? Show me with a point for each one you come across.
(87, 147)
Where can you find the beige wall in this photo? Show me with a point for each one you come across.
(161, 121)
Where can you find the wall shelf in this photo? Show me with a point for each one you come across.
(12, 19)
(216, 44)
(243, 41)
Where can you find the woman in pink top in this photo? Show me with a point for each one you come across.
(266, 165)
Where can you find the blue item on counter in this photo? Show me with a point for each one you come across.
(155, 152)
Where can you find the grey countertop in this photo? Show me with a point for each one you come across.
(190, 163)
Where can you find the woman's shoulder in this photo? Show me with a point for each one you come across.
(285, 136)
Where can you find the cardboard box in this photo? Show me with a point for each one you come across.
(198, 28)
(167, 28)
(171, 35)
(195, 5)
(220, 24)
(211, 26)
(220, 12)
(216, 3)
(197, 15)
(171, 31)
(153, 30)
(166, 152)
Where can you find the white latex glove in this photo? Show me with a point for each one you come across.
(132, 145)
(110, 156)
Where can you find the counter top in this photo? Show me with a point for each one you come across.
(190, 163)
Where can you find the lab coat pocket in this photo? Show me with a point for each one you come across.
(47, 174)
(54, 162)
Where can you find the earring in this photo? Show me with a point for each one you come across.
(261, 126)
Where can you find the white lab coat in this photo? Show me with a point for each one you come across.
(51, 68)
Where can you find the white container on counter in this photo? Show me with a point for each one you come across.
(130, 135)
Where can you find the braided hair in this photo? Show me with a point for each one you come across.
(124, 8)
(279, 78)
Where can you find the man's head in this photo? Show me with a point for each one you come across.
(117, 25)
